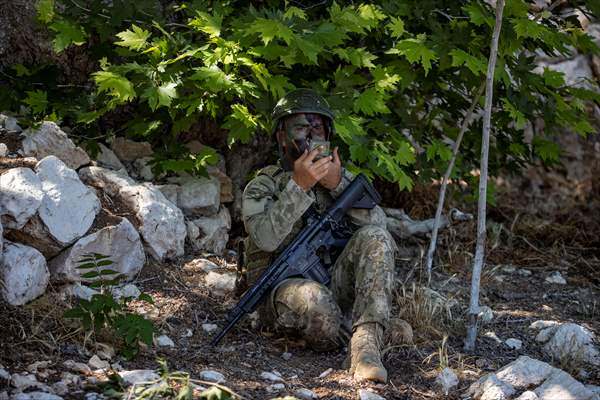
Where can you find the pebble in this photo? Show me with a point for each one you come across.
(276, 387)
(364, 394)
(212, 376)
(36, 396)
(4, 374)
(269, 376)
(208, 328)
(60, 388)
(286, 356)
(77, 367)
(524, 272)
(138, 375)
(96, 363)
(447, 380)
(556, 278)
(492, 335)
(3, 150)
(305, 394)
(188, 333)
(485, 314)
(206, 265)
(326, 372)
(105, 351)
(513, 343)
(164, 341)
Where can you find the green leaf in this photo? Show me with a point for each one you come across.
(476, 65)
(526, 28)
(552, 78)
(45, 10)
(349, 127)
(279, 85)
(136, 39)
(213, 78)
(210, 24)
(67, 34)
(548, 151)
(37, 101)
(241, 124)
(185, 393)
(371, 102)
(358, 57)
(162, 95)
(90, 275)
(146, 297)
(478, 15)
(309, 48)
(296, 12)
(396, 27)
(518, 117)
(438, 149)
(384, 78)
(415, 50)
(405, 154)
(215, 393)
(115, 85)
(269, 29)
(21, 70)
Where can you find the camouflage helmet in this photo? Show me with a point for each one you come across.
(301, 101)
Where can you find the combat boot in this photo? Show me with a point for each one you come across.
(365, 347)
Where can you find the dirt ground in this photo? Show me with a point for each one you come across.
(531, 227)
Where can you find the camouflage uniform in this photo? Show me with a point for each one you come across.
(362, 276)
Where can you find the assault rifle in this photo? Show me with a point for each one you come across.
(301, 257)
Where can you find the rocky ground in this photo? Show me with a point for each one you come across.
(542, 265)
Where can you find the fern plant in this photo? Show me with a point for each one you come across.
(103, 311)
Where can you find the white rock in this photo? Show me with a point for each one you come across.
(326, 372)
(305, 394)
(577, 71)
(212, 376)
(572, 343)
(3, 150)
(198, 196)
(60, 388)
(541, 324)
(24, 381)
(164, 341)
(129, 290)
(69, 207)
(556, 278)
(20, 196)
(105, 351)
(38, 366)
(82, 368)
(4, 374)
(525, 373)
(162, 223)
(269, 376)
(210, 233)
(528, 395)
(79, 291)
(96, 363)
(121, 242)
(143, 167)
(221, 284)
(485, 314)
(275, 388)
(206, 265)
(286, 356)
(364, 394)
(446, 380)
(24, 273)
(9, 123)
(513, 343)
(492, 335)
(108, 159)
(50, 140)
(36, 396)
(594, 389)
(524, 272)
(208, 328)
(171, 191)
(509, 268)
(138, 376)
(129, 150)
(187, 334)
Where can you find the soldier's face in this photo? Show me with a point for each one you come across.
(300, 130)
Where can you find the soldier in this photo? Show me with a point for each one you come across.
(362, 276)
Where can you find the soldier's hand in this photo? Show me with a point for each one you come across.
(334, 174)
(306, 172)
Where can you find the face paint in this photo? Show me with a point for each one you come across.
(306, 131)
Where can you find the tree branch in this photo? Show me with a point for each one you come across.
(481, 204)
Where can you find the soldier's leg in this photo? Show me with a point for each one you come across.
(308, 308)
(362, 282)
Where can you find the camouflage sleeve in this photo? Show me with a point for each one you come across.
(360, 217)
(269, 220)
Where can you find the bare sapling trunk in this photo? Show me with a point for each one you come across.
(481, 204)
(440, 206)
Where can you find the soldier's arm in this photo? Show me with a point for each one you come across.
(374, 216)
(269, 220)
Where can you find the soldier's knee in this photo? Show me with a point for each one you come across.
(374, 235)
(310, 308)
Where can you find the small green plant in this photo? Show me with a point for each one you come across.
(103, 311)
(171, 385)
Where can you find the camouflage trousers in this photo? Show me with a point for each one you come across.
(361, 288)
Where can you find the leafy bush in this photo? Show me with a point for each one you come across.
(103, 311)
(399, 75)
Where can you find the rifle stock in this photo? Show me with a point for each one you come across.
(300, 259)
